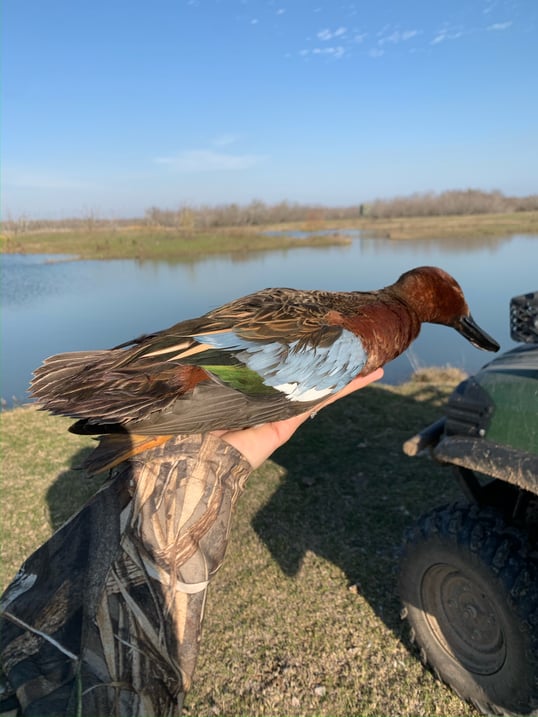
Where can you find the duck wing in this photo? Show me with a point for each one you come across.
(267, 350)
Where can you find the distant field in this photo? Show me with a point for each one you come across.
(303, 617)
(142, 241)
(466, 226)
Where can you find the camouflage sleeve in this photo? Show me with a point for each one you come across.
(105, 618)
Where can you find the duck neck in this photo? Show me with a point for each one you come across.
(386, 329)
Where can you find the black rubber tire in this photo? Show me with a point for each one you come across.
(469, 589)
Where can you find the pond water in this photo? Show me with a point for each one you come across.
(51, 304)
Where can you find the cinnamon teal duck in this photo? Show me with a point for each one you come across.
(263, 357)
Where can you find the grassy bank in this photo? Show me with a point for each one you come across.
(468, 226)
(141, 241)
(159, 243)
(303, 618)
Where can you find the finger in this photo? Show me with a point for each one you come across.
(259, 442)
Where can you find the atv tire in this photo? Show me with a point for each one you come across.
(469, 590)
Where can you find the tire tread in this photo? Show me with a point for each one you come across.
(504, 550)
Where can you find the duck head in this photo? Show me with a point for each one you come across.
(437, 297)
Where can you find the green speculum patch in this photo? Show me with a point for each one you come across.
(241, 378)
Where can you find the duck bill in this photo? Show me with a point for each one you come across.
(468, 328)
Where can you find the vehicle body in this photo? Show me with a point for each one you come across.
(469, 571)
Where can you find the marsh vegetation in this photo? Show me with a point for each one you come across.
(188, 233)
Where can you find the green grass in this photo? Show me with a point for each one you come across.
(303, 617)
(142, 242)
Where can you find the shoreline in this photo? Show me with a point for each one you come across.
(144, 242)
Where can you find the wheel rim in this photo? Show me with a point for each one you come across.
(463, 619)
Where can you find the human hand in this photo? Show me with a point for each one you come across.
(259, 442)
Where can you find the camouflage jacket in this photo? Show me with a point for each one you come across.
(105, 617)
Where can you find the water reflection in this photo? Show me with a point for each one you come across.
(383, 244)
(49, 306)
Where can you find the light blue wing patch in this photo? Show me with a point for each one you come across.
(307, 373)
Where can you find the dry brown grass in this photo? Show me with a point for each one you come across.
(463, 227)
(156, 243)
(172, 244)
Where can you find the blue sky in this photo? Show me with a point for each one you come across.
(113, 106)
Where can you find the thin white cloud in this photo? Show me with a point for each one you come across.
(446, 34)
(376, 52)
(327, 34)
(383, 31)
(500, 26)
(336, 52)
(207, 160)
(396, 37)
(225, 139)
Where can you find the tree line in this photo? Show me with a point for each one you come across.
(462, 202)
(260, 213)
(257, 212)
